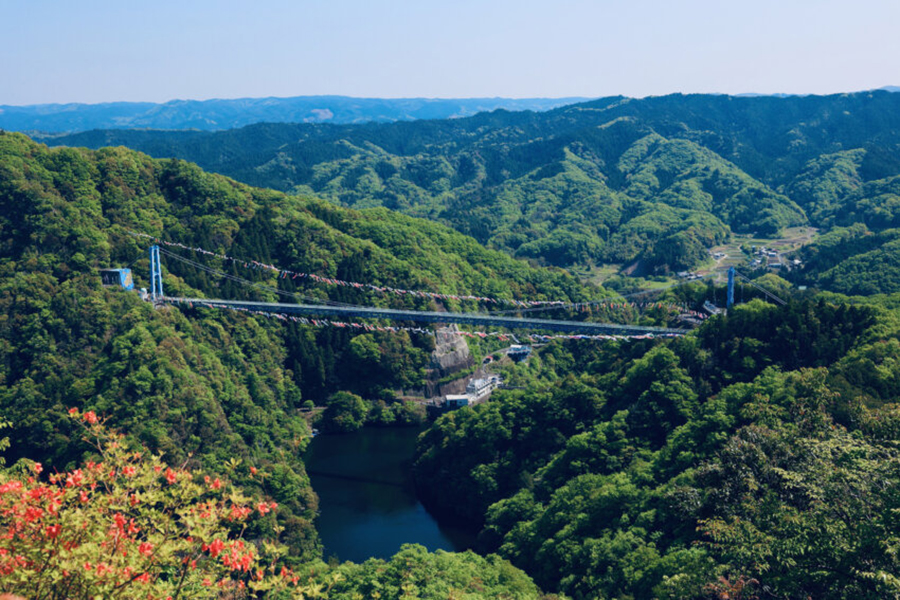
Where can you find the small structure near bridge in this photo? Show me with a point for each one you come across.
(452, 401)
(117, 278)
(518, 353)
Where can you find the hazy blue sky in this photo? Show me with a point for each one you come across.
(158, 50)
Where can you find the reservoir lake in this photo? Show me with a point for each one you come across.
(367, 501)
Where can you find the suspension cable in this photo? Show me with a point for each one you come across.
(619, 297)
(769, 294)
(260, 286)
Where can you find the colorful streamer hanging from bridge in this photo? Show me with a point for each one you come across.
(617, 303)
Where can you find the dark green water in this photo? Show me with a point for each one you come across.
(367, 504)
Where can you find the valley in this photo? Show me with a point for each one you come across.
(409, 300)
(630, 452)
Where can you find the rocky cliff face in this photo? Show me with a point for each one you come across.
(451, 353)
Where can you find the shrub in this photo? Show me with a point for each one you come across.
(129, 525)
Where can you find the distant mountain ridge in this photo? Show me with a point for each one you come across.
(218, 114)
(655, 181)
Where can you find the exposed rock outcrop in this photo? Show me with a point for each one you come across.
(451, 355)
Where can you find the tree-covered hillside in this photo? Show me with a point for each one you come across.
(220, 390)
(613, 180)
(754, 458)
(859, 254)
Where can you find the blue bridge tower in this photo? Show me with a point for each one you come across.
(730, 299)
(156, 286)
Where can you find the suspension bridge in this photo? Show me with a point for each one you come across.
(483, 319)
(338, 310)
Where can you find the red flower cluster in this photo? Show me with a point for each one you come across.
(115, 524)
(90, 417)
(264, 507)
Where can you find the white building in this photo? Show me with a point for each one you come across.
(479, 387)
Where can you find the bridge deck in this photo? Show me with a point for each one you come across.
(483, 319)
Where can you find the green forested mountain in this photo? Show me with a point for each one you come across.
(214, 389)
(859, 255)
(756, 458)
(613, 180)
